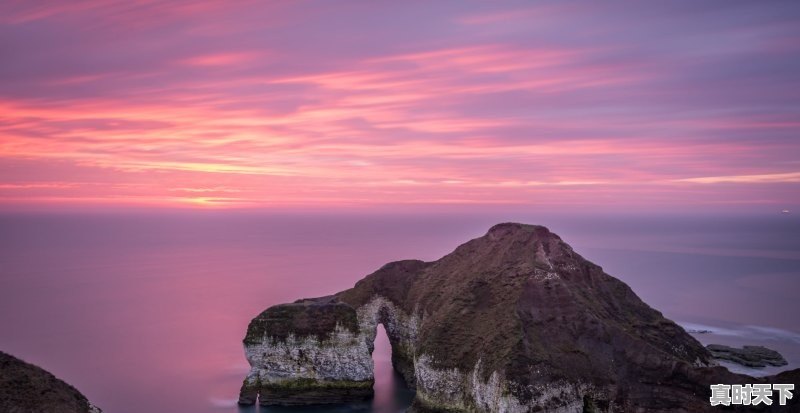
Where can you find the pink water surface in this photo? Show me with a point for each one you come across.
(146, 313)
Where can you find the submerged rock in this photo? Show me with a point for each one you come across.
(748, 356)
(514, 321)
(25, 388)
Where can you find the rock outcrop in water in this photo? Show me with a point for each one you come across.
(25, 388)
(748, 356)
(514, 321)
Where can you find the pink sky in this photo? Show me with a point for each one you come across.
(432, 105)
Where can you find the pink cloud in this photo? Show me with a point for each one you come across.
(248, 105)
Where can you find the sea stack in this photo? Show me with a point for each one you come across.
(513, 321)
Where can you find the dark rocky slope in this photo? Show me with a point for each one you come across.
(25, 388)
(514, 321)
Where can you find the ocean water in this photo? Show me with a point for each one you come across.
(145, 312)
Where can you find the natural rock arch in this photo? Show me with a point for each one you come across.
(401, 330)
(326, 357)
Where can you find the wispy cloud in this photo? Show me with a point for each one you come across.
(311, 105)
(791, 177)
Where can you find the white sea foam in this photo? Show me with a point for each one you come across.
(222, 402)
(744, 331)
(775, 333)
(785, 342)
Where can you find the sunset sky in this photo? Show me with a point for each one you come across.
(393, 104)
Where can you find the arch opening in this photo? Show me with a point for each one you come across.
(392, 395)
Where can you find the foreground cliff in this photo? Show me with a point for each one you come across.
(25, 388)
(514, 321)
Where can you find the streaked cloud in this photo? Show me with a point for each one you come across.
(746, 179)
(311, 105)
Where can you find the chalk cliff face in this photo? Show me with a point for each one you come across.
(25, 388)
(514, 321)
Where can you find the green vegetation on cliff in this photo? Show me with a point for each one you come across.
(301, 319)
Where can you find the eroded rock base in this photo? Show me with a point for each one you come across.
(306, 392)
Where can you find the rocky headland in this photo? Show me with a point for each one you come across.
(513, 321)
(25, 388)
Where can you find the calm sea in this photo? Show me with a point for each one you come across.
(146, 312)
